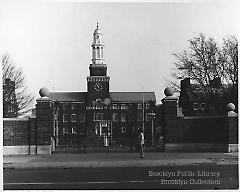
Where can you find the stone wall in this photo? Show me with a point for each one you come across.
(16, 131)
(19, 135)
(208, 133)
(198, 133)
(206, 129)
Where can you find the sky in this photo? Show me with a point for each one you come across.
(51, 40)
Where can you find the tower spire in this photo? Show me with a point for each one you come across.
(97, 47)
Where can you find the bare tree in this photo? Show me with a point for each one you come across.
(230, 60)
(230, 67)
(24, 99)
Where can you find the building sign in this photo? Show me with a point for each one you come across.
(96, 108)
(103, 108)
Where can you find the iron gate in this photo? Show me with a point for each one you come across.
(101, 138)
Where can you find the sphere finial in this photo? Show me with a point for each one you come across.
(169, 91)
(97, 25)
(230, 107)
(44, 92)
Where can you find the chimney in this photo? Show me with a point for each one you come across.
(185, 83)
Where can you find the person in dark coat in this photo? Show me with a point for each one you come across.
(140, 140)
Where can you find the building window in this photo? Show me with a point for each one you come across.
(147, 106)
(139, 117)
(115, 117)
(114, 106)
(81, 117)
(102, 52)
(64, 131)
(65, 106)
(146, 117)
(195, 106)
(98, 52)
(12, 99)
(123, 117)
(203, 106)
(123, 106)
(123, 129)
(104, 124)
(74, 106)
(98, 116)
(10, 109)
(65, 118)
(93, 53)
(74, 130)
(73, 117)
(139, 106)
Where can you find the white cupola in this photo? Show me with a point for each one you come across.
(97, 47)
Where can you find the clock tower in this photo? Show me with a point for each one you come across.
(98, 81)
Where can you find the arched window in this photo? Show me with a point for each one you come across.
(98, 52)
(102, 52)
(93, 52)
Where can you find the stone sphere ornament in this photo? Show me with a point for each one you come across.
(230, 107)
(44, 92)
(107, 101)
(169, 91)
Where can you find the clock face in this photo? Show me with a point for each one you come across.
(98, 86)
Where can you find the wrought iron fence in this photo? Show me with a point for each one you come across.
(76, 143)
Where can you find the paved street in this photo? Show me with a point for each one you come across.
(180, 177)
(122, 171)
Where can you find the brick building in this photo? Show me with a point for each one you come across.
(9, 99)
(101, 117)
(195, 102)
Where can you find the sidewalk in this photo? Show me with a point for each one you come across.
(91, 160)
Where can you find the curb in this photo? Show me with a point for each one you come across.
(115, 164)
(89, 167)
(60, 162)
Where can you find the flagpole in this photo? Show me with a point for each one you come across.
(143, 108)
